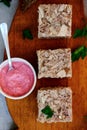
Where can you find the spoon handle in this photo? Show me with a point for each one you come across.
(4, 32)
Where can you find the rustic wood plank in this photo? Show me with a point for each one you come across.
(24, 111)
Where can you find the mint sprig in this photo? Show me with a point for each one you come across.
(79, 52)
(47, 111)
(6, 2)
(27, 34)
(80, 32)
(82, 50)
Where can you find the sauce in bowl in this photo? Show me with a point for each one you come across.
(17, 81)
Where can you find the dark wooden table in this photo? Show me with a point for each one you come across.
(24, 112)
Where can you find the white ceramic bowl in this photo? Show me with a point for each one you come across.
(34, 73)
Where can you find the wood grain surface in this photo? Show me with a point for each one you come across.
(24, 112)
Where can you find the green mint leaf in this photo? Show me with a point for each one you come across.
(47, 111)
(79, 52)
(27, 34)
(80, 32)
(84, 53)
(6, 2)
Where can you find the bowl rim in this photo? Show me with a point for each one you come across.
(33, 70)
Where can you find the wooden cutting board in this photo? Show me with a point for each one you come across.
(24, 112)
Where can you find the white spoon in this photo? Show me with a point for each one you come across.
(4, 32)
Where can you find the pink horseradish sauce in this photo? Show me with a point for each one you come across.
(17, 81)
